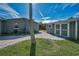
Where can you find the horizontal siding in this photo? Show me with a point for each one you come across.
(11, 24)
(64, 29)
(23, 26)
(78, 30)
(0, 27)
(53, 28)
(72, 30)
(4, 25)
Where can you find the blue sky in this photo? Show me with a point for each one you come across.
(54, 11)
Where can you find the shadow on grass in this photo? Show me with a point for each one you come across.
(70, 39)
(33, 49)
(73, 40)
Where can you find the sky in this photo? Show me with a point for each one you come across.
(53, 11)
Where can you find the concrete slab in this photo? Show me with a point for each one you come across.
(10, 40)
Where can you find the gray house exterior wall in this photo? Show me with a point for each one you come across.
(72, 29)
(53, 27)
(0, 27)
(49, 28)
(67, 28)
(9, 26)
(3, 27)
(36, 27)
(78, 30)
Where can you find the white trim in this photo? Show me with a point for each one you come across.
(54, 28)
(68, 30)
(76, 26)
(50, 28)
(57, 29)
(60, 29)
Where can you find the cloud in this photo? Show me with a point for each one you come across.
(52, 8)
(68, 5)
(76, 15)
(73, 4)
(4, 14)
(48, 21)
(65, 5)
(55, 6)
(45, 18)
(10, 10)
(41, 14)
(14, 15)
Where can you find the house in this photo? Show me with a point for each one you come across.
(0, 27)
(65, 28)
(44, 22)
(18, 25)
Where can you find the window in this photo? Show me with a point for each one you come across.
(58, 26)
(64, 26)
(50, 26)
(16, 26)
(64, 29)
(58, 29)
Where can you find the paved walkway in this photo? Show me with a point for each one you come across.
(10, 40)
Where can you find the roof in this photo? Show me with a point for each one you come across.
(1, 18)
(16, 19)
(67, 20)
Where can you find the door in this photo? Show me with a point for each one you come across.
(16, 28)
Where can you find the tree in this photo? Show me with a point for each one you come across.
(33, 41)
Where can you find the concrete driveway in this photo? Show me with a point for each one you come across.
(10, 40)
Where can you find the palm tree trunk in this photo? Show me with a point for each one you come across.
(31, 23)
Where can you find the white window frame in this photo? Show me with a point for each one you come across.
(64, 30)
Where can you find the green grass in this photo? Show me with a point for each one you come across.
(43, 48)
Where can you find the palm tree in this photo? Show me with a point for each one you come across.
(33, 41)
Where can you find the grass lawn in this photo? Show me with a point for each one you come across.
(43, 48)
